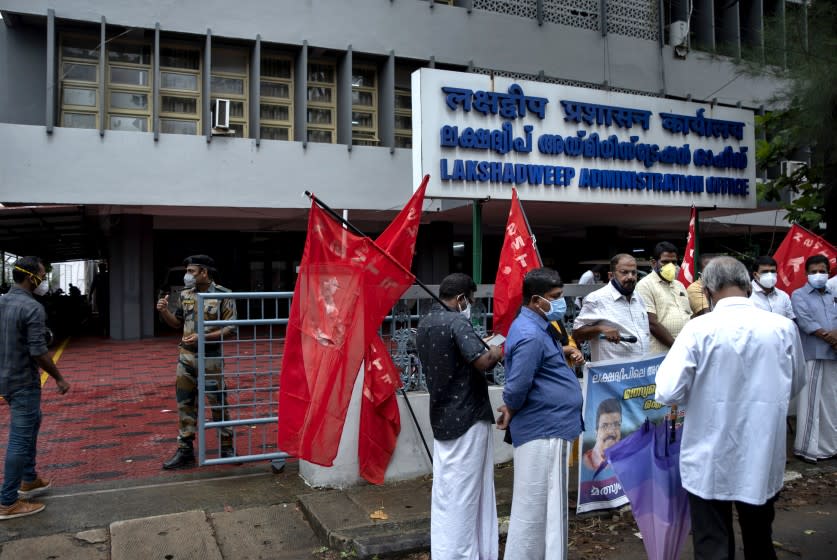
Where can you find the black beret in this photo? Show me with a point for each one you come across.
(200, 260)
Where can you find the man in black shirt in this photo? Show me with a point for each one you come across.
(463, 519)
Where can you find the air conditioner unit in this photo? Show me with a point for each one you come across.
(678, 33)
(221, 115)
(789, 167)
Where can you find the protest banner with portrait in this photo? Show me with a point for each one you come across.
(619, 397)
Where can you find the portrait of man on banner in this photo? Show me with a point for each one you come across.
(619, 398)
(608, 432)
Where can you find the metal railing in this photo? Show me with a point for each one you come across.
(245, 401)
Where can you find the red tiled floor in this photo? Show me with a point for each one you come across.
(119, 420)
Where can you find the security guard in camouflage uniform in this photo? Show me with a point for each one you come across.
(198, 278)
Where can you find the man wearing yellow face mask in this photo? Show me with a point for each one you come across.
(665, 298)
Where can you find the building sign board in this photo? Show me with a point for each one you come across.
(478, 136)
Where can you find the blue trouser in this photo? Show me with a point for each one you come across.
(25, 413)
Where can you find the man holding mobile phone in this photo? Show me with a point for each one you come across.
(463, 514)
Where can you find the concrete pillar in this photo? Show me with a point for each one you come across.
(131, 267)
(433, 252)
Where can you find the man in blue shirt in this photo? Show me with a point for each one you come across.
(23, 350)
(815, 307)
(542, 411)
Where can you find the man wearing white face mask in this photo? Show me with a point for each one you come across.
(816, 315)
(765, 294)
(22, 352)
(198, 278)
(666, 300)
(463, 514)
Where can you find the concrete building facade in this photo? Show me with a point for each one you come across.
(109, 144)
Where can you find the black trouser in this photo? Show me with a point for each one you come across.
(713, 535)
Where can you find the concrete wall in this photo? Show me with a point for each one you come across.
(76, 166)
(129, 168)
(22, 75)
(448, 34)
(410, 458)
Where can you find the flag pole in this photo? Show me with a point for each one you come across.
(529, 229)
(697, 242)
(355, 230)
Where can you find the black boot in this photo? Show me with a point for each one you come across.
(227, 452)
(184, 457)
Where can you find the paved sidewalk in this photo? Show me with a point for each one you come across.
(104, 442)
(253, 514)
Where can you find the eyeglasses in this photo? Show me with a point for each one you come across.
(610, 425)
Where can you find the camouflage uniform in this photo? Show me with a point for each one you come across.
(187, 364)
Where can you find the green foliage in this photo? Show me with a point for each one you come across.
(804, 129)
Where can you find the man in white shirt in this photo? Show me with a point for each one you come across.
(831, 284)
(613, 318)
(665, 298)
(590, 277)
(765, 293)
(735, 370)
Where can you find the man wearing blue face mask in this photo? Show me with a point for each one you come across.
(765, 293)
(542, 411)
(816, 315)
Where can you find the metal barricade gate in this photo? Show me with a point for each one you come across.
(243, 384)
(241, 390)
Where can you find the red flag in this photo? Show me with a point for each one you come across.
(687, 269)
(340, 276)
(798, 245)
(517, 257)
(380, 422)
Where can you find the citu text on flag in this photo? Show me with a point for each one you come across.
(790, 257)
(518, 256)
(687, 273)
(380, 422)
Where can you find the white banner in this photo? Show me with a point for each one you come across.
(478, 136)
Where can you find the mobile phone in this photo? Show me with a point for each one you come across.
(495, 340)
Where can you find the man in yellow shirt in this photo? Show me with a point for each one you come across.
(665, 298)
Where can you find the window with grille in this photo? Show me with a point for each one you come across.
(276, 106)
(180, 90)
(322, 101)
(228, 80)
(403, 118)
(365, 106)
(128, 86)
(79, 82)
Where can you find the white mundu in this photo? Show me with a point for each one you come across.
(463, 512)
